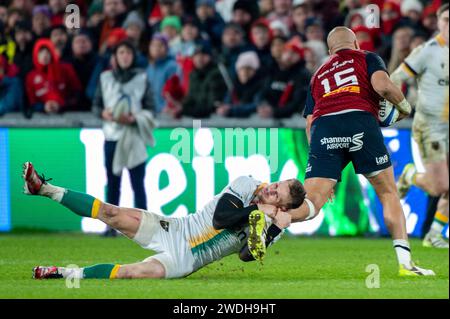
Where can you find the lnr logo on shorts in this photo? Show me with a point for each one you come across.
(333, 143)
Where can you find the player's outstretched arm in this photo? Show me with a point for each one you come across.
(230, 212)
(401, 75)
(383, 85)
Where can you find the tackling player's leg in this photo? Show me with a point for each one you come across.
(435, 182)
(384, 185)
(125, 220)
(434, 237)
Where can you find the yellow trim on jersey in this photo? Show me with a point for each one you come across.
(440, 39)
(261, 186)
(114, 271)
(209, 233)
(350, 89)
(445, 113)
(408, 70)
(95, 208)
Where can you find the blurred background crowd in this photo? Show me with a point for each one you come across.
(232, 58)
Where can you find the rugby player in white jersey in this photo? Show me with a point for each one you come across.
(182, 245)
(429, 65)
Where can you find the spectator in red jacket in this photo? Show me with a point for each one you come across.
(52, 86)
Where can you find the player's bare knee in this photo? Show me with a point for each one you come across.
(440, 187)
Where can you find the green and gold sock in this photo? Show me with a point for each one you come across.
(101, 271)
(439, 222)
(81, 204)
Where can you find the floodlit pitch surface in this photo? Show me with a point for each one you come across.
(294, 268)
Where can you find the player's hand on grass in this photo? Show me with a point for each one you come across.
(282, 219)
(268, 210)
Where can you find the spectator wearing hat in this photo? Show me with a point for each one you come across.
(280, 29)
(210, 22)
(314, 29)
(233, 44)
(429, 19)
(11, 90)
(161, 67)
(287, 86)
(261, 37)
(276, 49)
(282, 11)
(23, 39)
(95, 14)
(190, 34)
(114, 15)
(135, 28)
(244, 13)
(412, 10)
(243, 98)
(52, 86)
(84, 59)
(160, 10)
(390, 16)
(225, 9)
(300, 13)
(316, 52)
(40, 21)
(207, 87)
(364, 38)
(60, 38)
(170, 27)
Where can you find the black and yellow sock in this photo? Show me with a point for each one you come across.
(81, 204)
(101, 271)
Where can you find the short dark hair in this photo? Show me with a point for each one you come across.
(298, 194)
(442, 9)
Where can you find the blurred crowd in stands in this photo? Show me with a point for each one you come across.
(233, 58)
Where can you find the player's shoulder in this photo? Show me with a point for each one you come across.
(243, 184)
(245, 180)
(427, 47)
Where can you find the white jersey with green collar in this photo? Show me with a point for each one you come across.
(429, 64)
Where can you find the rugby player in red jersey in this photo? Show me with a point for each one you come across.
(342, 127)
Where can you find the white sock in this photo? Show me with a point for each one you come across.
(403, 251)
(54, 192)
(74, 273)
(437, 227)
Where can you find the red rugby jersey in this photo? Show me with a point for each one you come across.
(343, 83)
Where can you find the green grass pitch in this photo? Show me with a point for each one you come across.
(293, 268)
